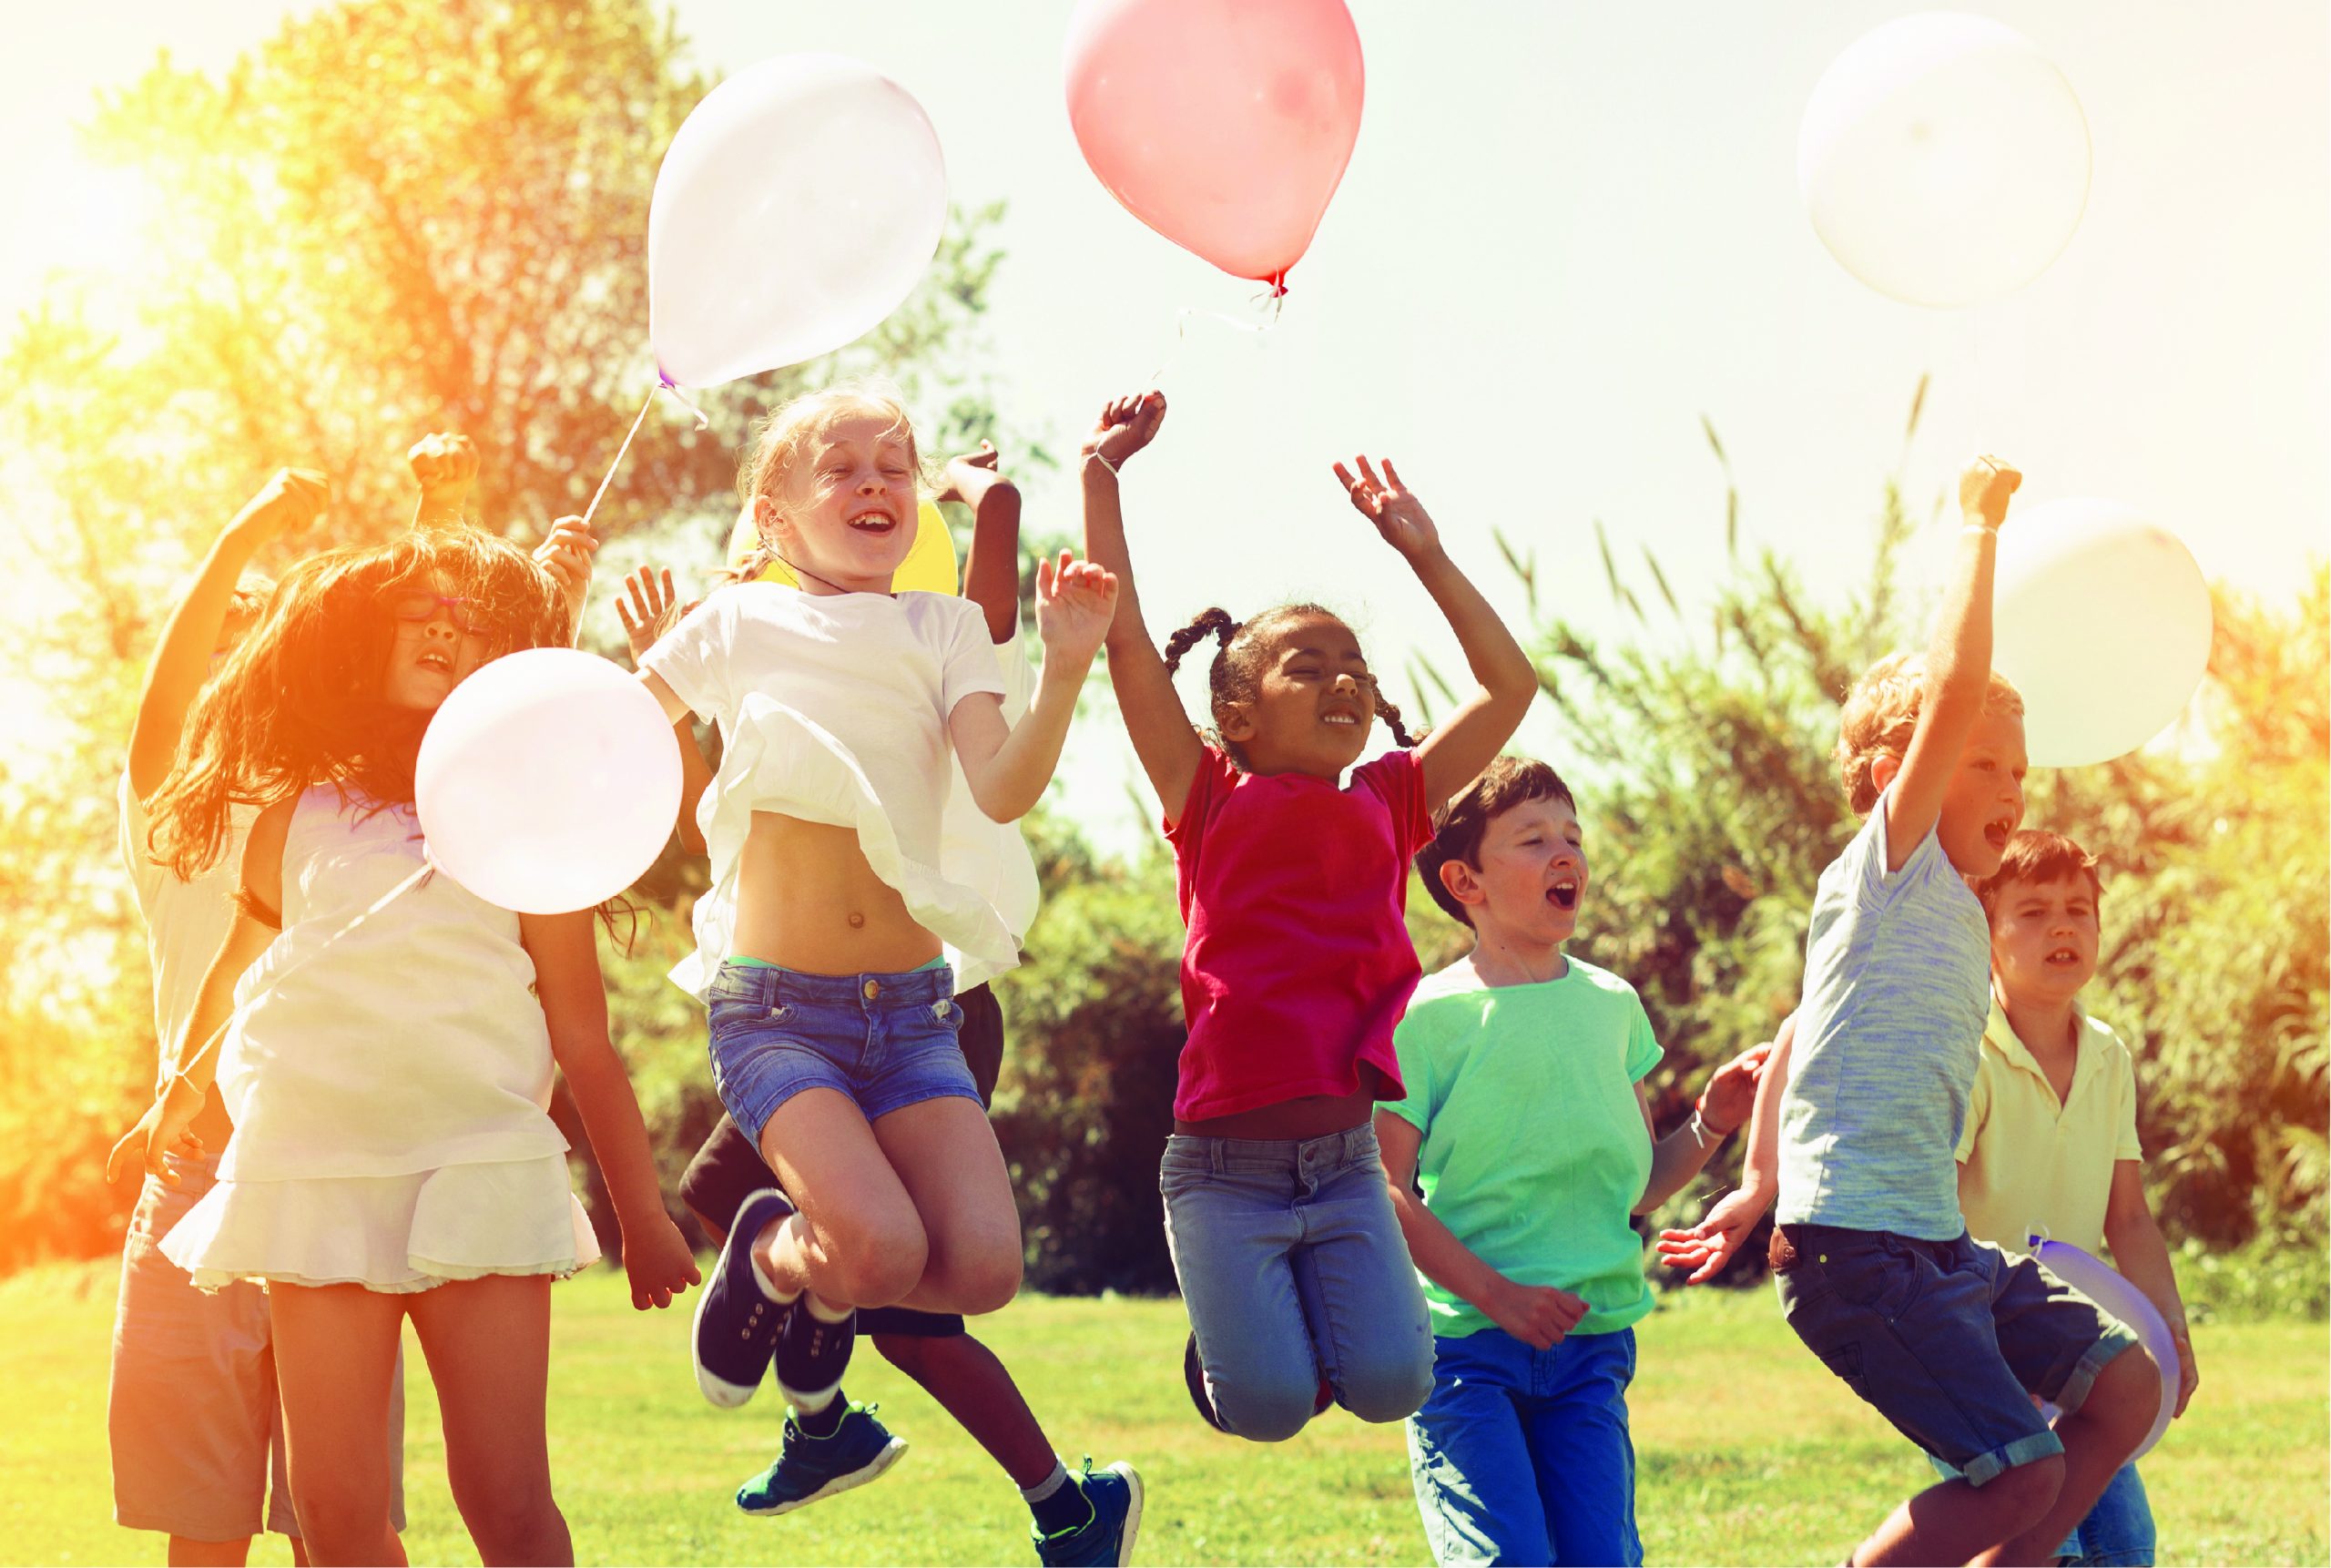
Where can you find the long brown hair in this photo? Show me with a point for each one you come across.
(299, 702)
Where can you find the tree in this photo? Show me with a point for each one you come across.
(384, 220)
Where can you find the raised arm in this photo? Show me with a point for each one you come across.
(992, 569)
(194, 1055)
(1163, 737)
(651, 609)
(1471, 737)
(444, 465)
(1007, 767)
(574, 1007)
(288, 501)
(1958, 664)
(1538, 1315)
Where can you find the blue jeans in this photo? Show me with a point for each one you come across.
(1293, 1268)
(2117, 1533)
(1523, 1455)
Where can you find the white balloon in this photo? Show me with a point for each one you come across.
(2094, 1278)
(1944, 159)
(2103, 621)
(547, 781)
(799, 203)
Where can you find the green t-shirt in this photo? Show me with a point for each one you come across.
(1534, 1149)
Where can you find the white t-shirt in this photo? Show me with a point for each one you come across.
(833, 708)
(185, 920)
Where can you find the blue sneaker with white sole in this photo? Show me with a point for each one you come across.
(736, 1321)
(1105, 1538)
(811, 1469)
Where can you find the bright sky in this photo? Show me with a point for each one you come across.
(1567, 232)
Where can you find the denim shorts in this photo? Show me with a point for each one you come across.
(1946, 1340)
(886, 1041)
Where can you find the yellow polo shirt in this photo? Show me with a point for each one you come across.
(2033, 1165)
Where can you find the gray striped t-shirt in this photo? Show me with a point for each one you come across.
(1896, 992)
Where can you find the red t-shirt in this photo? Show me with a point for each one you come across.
(1298, 962)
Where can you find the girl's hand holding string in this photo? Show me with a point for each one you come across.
(1126, 425)
(1398, 514)
(1076, 601)
(565, 553)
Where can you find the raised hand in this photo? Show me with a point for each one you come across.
(659, 1264)
(966, 475)
(1706, 1247)
(1126, 425)
(444, 465)
(1537, 1315)
(1398, 514)
(1731, 1094)
(290, 500)
(566, 554)
(652, 610)
(1984, 486)
(1075, 603)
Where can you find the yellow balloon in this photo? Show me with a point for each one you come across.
(929, 568)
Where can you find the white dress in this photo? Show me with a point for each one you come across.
(833, 708)
(391, 1090)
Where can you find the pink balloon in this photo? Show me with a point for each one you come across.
(1224, 125)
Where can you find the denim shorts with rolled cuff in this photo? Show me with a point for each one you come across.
(1946, 1339)
(884, 1040)
(727, 1168)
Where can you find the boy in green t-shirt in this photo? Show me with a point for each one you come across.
(1528, 1135)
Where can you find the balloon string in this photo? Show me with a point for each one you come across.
(241, 1012)
(1181, 330)
(597, 496)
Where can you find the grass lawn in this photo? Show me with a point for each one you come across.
(1748, 1451)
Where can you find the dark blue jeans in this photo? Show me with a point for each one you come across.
(1523, 1456)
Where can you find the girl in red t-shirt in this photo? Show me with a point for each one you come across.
(1298, 963)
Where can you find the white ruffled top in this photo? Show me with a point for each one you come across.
(833, 708)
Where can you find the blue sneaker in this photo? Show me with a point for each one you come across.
(1105, 1538)
(809, 1469)
(736, 1322)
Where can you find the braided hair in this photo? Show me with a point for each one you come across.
(1235, 674)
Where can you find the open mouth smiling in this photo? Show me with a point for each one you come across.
(1564, 894)
(436, 660)
(876, 522)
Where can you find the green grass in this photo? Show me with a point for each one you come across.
(1749, 1452)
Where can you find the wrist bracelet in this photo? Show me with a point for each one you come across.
(1096, 456)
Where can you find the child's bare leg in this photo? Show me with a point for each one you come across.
(976, 1388)
(946, 1156)
(2098, 1438)
(1951, 1521)
(335, 1352)
(855, 1239)
(186, 1551)
(488, 1344)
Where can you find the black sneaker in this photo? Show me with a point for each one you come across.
(736, 1321)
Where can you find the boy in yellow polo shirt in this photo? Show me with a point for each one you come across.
(2051, 1145)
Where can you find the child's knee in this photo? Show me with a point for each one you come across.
(2023, 1494)
(1392, 1390)
(2124, 1399)
(986, 1281)
(507, 1516)
(873, 1261)
(1267, 1409)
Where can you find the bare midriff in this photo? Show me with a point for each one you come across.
(1305, 1116)
(806, 898)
